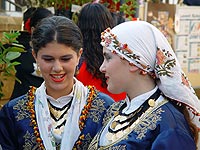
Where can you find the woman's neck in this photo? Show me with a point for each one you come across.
(140, 86)
(59, 93)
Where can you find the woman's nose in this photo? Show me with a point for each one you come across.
(57, 66)
(102, 68)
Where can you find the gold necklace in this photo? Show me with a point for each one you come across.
(31, 105)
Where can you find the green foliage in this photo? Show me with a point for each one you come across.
(129, 8)
(10, 49)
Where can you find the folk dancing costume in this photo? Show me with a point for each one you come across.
(39, 122)
(151, 120)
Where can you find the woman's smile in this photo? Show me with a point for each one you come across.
(58, 77)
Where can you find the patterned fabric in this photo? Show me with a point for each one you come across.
(161, 127)
(144, 46)
(17, 130)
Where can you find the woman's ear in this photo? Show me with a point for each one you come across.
(133, 68)
(34, 55)
(80, 51)
(79, 54)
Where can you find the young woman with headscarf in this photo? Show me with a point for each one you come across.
(161, 110)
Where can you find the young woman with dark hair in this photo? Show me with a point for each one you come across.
(62, 113)
(93, 19)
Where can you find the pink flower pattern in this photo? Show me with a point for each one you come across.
(185, 80)
(160, 57)
(164, 63)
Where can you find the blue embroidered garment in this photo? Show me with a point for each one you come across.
(159, 128)
(18, 130)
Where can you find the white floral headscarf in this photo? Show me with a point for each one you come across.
(145, 46)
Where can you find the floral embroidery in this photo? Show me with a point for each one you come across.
(164, 64)
(110, 41)
(185, 80)
(160, 57)
(30, 140)
(118, 147)
(108, 38)
(148, 123)
(96, 110)
(21, 110)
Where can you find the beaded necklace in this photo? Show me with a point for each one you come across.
(30, 106)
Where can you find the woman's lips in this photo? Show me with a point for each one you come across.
(58, 78)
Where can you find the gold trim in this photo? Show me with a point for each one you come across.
(135, 125)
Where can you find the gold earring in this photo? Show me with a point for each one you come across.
(38, 72)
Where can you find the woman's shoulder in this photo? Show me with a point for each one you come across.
(172, 118)
(104, 96)
(21, 99)
(100, 96)
(15, 106)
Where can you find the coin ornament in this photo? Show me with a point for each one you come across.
(109, 136)
(119, 134)
(151, 102)
(113, 124)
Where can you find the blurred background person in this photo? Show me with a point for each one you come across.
(93, 19)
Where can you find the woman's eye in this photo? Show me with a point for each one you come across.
(66, 58)
(107, 57)
(48, 59)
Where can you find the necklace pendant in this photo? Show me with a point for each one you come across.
(113, 124)
(117, 118)
(116, 113)
(120, 118)
(151, 102)
(118, 126)
(57, 131)
(56, 114)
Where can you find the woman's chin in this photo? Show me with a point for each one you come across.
(112, 90)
